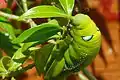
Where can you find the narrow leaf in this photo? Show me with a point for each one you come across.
(7, 29)
(43, 12)
(6, 45)
(27, 45)
(4, 64)
(19, 55)
(3, 19)
(17, 60)
(67, 5)
(40, 33)
(41, 57)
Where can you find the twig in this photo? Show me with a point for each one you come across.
(31, 22)
(10, 16)
(25, 5)
(30, 66)
(88, 74)
(13, 17)
(79, 6)
(19, 5)
(81, 76)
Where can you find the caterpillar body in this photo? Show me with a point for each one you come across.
(78, 49)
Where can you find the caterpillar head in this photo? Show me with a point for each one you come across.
(80, 21)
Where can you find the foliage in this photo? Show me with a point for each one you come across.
(21, 45)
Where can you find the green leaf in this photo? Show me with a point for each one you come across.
(41, 33)
(53, 21)
(3, 19)
(67, 5)
(6, 10)
(5, 60)
(17, 60)
(6, 45)
(41, 57)
(43, 12)
(7, 29)
(4, 65)
(58, 68)
(27, 45)
(19, 56)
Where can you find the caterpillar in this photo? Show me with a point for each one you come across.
(77, 50)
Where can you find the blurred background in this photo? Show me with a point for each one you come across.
(106, 15)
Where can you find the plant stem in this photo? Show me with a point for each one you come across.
(25, 5)
(18, 5)
(14, 17)
(30, 66)
(88, 74)
(31, 22)
(10, 16)
(78, 5)
(81, 76)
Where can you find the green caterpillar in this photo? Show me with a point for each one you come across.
(77, 50)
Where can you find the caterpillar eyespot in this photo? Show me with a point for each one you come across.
(87, 38)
